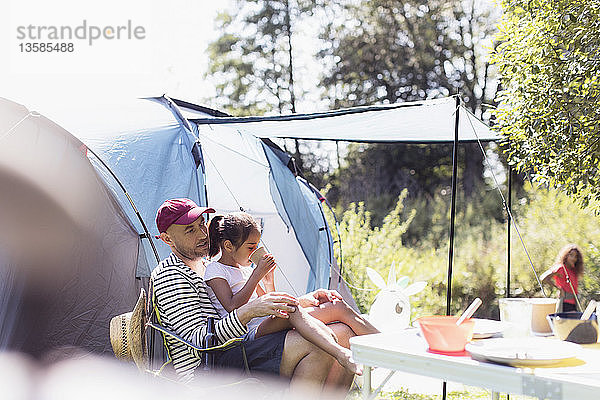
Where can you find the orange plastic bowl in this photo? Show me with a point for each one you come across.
(443, 335)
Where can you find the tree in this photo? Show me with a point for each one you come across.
(377, 173)
(549, 107)
(253, 59)
(386, 51)
(400, 52)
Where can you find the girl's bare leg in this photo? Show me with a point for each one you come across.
(272, 325)
(315, 332)
(342, 312)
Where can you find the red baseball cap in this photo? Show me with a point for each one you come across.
(178, 211)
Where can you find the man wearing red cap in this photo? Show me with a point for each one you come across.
(184, 306)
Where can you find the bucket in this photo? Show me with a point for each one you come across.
(527, 316)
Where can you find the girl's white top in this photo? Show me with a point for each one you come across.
(236, 278)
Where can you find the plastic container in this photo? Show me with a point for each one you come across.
(443, 335)
(567, 326)
(516, 314)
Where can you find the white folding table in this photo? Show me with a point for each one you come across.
(572, 379)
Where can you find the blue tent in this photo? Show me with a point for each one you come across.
(147, 152)
(161, 148)
(151, 152)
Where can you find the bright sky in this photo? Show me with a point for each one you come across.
(107, 60)
(167, 57)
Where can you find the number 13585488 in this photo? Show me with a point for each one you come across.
(35, 47)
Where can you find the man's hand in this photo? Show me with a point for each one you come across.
(319, 296)
(275, 303)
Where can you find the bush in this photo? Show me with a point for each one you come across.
(546, 219)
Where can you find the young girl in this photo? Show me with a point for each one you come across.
(565, 274)
(233, 282)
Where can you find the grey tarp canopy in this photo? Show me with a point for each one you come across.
(430, 121)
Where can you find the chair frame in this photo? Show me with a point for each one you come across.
(208, 362)
(209, 346)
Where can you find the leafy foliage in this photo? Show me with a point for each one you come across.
(550, 103)
(547, 220)
(376, 174)
(371, 247)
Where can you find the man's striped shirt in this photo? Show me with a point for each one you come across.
(183, 307)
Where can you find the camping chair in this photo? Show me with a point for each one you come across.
(128, 338)
(207, 350)
(209, 345)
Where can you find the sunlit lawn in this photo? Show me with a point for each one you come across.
(472, 394)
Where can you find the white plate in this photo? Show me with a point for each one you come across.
(485, 328)
(526, 351)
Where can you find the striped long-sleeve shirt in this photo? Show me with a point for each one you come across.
(184, 306)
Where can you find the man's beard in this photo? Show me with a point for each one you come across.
(192, 254)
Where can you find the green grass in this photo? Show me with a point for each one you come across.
(472, 393)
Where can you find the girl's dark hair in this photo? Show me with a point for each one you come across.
(564, 253)
(235, 227)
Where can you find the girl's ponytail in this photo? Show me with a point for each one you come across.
(214, 235)
(235, 227)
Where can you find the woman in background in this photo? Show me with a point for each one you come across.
(565, 274)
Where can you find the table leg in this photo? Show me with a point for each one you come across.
(366, 389)
(495, 395)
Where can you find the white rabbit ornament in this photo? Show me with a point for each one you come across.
(391, 309)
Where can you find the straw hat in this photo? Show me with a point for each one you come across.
(128, 335)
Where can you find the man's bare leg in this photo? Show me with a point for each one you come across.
(339, 377)
(321, 335)
(306, 364)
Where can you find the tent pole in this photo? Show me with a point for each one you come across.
(146, 233)
(452, 206)
(452, 215)
(508, 238)
(507, 294)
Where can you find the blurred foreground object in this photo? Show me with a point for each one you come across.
(68, 253)
(83, 375)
